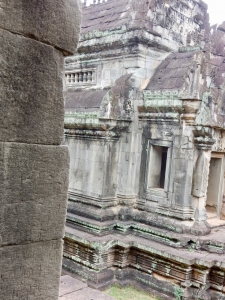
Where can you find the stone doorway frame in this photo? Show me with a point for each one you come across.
(152, 192)
(219, 194)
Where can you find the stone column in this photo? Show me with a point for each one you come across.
(181, 178)
(34, 37)
(200, 183)
(203, 142)
(129, 166)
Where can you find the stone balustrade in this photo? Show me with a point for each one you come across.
(92, 2)
(80, 77)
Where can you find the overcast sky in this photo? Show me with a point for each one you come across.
(216, 10)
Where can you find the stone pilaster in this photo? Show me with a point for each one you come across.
(203, 142)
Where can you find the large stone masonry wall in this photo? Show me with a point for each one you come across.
(34, 37)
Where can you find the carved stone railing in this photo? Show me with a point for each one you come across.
(92, 2)
(79, 78)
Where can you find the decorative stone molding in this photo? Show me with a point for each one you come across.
(203, 138)
(189, 49)
(163, 107)
(204, 143)
(161, 95)
(91, 134)
(81, 120)
(90, 125)
(162, 101)
(97, 201)
(176, 212)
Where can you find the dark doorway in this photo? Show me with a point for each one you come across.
(214, 190)
(163, 167)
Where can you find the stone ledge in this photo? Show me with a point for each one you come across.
(134, 260)
(73, 289)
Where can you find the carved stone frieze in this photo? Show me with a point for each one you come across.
(91, 134)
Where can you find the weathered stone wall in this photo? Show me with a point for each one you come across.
(34, 37)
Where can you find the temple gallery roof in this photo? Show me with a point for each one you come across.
(171, 73)
(85, 101)
(168, 23)
(105, 15)
(180, 67)
(116, 13)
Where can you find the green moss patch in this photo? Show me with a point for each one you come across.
(128, 293)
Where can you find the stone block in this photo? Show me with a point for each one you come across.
(86, 294)
(31, 91)
(54, 22)
(31, 271)
(33, 192)
(69, 285)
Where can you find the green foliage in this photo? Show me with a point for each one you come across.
(178, 293)
(128, 293)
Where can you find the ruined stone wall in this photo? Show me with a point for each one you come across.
(34, 37)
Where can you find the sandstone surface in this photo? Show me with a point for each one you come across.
(55, 22)
(34, 37)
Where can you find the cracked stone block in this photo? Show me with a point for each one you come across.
(33, 192)
(54, 22)
(31, 91)
(30, 271)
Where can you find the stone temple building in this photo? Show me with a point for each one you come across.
(145, 125)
